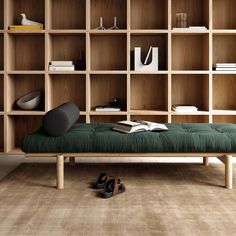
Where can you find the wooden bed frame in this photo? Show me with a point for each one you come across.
(60, 158)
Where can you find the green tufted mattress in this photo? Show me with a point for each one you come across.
(197, 138)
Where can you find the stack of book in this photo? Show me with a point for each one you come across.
(225, 66)
(26, 27)
(183, 108)
(126, 126)
(61, 66)
(107, 109)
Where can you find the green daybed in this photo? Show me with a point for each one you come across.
(205, 140)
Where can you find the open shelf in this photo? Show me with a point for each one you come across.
(149, 14)
(152, 118)
(190, 119)
(1, 52)
(1, 14)
(106, 88)
(18, 127)
(108, 9)
(224, 14)
(68, 87)
(149, 92)
(27, 52)
(1, 93)
(67, 47)
(197, 12)
(190, 52)
(155, 40)
(223, 46)
(191, 89)
(108, 52)
(224, 119)
(67, 14)
(1, 133)
(107, 118)
(224, 95)
(20, 85)
(34, 10)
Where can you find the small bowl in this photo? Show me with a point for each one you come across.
(30, 101)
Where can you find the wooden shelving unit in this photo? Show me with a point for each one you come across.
(185, 61)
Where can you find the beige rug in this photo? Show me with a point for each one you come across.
(161, 199)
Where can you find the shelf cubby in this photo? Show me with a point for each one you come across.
(1, 133)
(26, 52)
(155, 40)
(60, 19)
(107, 118)
(22, 84)
(152, 91)
(223, 94)
(68, 87)
(149, 14)
(224, 119)
(108, 9)
(191, 89)
(190, 119)
(67, 47)
(152, 118)
(108, 52)
(223, 45)
(1, 93)
(224, 14)
(18, 127)
(190, 52)
(34, 10)
(1, 52)
(1, 14)
(106, 88)
(197, 12)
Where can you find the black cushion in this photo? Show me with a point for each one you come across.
(59, 120)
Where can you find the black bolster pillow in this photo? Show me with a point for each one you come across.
(59, 120)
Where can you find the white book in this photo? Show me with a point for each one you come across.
(197, 27)
(184, 106)
(225, 65)
(147, 56)
(225, 69)
(61, 63)
(61, 68)
(107, 109)
(138, 126)
(185, 110)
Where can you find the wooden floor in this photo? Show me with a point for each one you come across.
(161, 199)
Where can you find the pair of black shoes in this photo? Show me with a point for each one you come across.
(110, 185)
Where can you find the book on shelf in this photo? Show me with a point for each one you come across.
(26, 27)
(61, 68)
(128, 127)
(184, 108)
(107, 109)
(198, 27)
(61, 63)
(225, 68)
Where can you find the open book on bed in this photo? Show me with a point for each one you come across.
(126, 126)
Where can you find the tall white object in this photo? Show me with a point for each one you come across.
(25, 21)
(139, 66)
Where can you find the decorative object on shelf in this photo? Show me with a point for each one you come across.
(113, 106)
(100, 27)
(184, 108)
(29, 101)
(224, 67)
(61, 66)
(114, 27)
(152, 66)
(81, 62)
(181, 20)
(25, 21)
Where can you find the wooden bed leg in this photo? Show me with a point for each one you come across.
(228, 172)
(72, 161)
(60, 171)
(206, 161)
